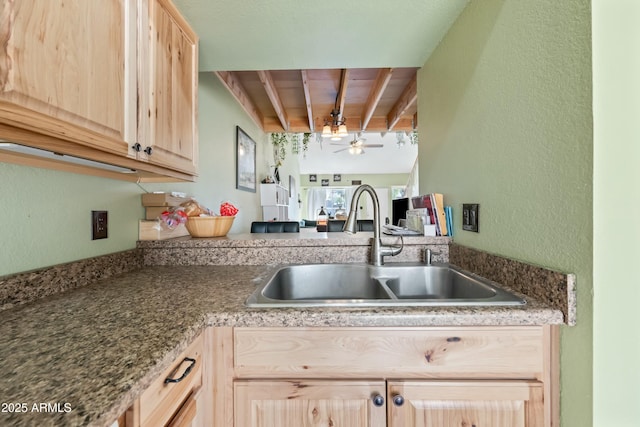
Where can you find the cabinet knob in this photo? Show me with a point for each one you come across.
(137, 147)
(148, 150)
(378, 400)
(398, 400)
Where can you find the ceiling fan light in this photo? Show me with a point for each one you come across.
(342, 130)
(336, 137)
(326, 131)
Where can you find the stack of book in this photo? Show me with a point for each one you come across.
(436, 212)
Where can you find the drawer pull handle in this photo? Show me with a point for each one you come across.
(378, 400)
(398, 400)
(148, 150)
(185, 373)
(137, 147)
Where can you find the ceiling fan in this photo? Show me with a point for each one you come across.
(356, 146)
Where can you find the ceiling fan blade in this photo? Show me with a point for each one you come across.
(342, 149)
(372, 145)
(342, 145)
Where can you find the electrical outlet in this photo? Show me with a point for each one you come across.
(470, 216)
(99, 225)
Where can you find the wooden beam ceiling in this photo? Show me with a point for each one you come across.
(375, 100)
(384, 75)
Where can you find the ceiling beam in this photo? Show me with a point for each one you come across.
(307, 99)
(342, 92)
(407, 99)
(382, 80)
(272, 93)
(234, 86)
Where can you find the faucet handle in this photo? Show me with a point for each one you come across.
(428, 254)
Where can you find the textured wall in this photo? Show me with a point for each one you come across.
(616, 113)
(46, 214)
(505, 121)
(285, 34)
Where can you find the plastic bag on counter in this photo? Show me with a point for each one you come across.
(174, 216)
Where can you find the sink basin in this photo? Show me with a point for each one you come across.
(436, 282)
(324, 282)
(354, 285)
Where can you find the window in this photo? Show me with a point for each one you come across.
(398, 192)
(332, 199)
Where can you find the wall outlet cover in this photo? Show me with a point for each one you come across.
(99, 225)
(470, 216)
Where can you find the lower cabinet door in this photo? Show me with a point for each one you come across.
(309, 403)
(465, 403)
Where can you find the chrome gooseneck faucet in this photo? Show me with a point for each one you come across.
(378, 250)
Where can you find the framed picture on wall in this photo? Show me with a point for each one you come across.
(245, 161)
(337, 177)
(313, 178)
(325, 182)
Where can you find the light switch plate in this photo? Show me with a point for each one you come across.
(470, 216)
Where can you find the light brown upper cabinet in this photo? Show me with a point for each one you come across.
(168, 87)
(72, 74)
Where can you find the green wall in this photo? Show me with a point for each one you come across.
(47, 213)
(47, 217)
(505, 121)
(616, 239)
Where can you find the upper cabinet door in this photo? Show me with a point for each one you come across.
(168, 87)
(68, 70)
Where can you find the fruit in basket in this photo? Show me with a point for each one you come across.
(227, 209)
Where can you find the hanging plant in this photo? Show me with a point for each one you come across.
(279, 142)
(295, 143)
(305, 143)
(413, 137)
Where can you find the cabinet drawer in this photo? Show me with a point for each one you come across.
(473, 352)
(161, 400)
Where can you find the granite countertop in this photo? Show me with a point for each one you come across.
(91, 351)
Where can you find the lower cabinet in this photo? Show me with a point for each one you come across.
(396, 377)
(309, 403)
(175, 397)
(359, 377)
(465, 403)
(394, 403)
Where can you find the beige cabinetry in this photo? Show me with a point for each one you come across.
(465, 403)
(168, 88)
(68, 70)
(498, 376)
(72, 73)
(309, 403)
(176, 396)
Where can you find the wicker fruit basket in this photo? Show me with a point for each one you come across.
(209, 226)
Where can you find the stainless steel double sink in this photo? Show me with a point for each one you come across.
(355, 285)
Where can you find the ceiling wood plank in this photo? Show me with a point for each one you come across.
(307, 99)
(407, 99)
(272, 93)
(234, 86)
(382, 80)
(379, 124)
